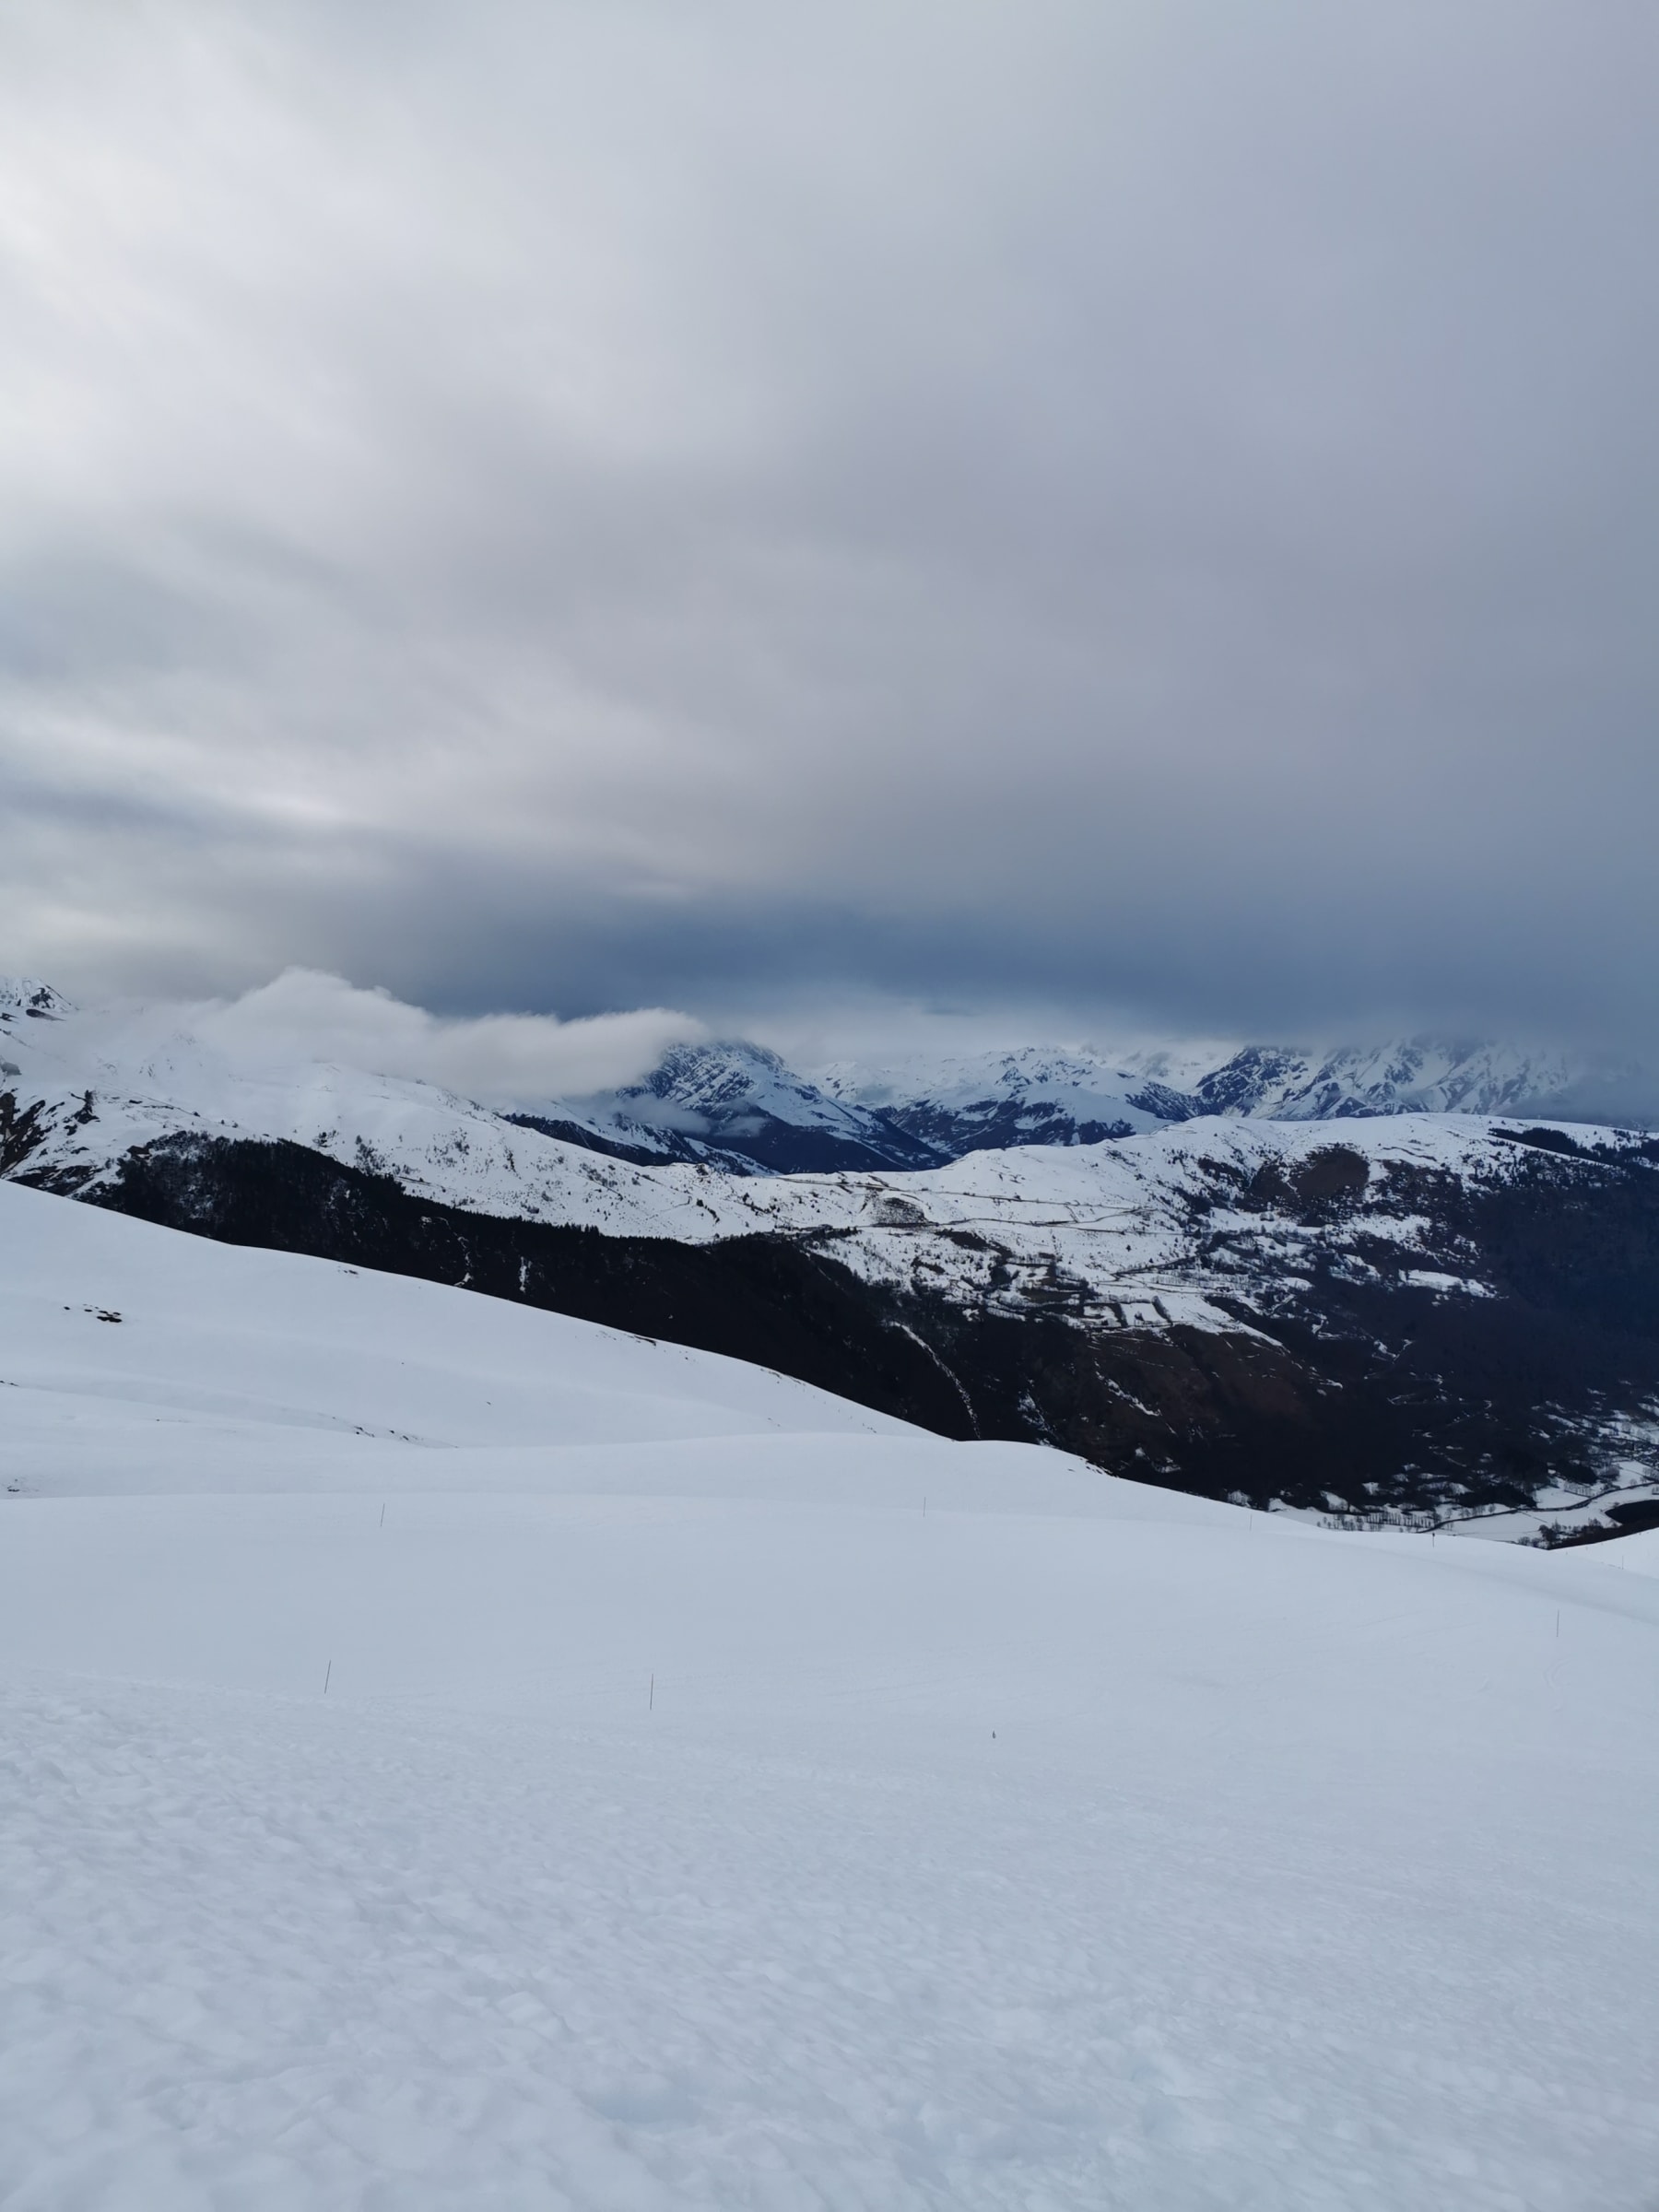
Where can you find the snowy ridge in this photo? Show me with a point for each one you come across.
(1040, 1096)
(26, 998)
(81, 1105)
(734, 1105)
(1419, 1075)
(1033, 1096)
(741, 1094)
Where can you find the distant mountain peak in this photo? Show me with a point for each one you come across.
(1415, 1075)
(737, 1105)
(26, 998)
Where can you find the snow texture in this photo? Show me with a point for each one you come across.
(456, 1758)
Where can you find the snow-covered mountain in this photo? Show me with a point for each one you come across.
(23, 1000)
(1029, 1096)
(1036, 1096)
(457, 1756)
(738, 1106)
(1423, 1075)
(1418, 1316)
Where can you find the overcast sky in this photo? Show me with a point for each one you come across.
(1128, 510)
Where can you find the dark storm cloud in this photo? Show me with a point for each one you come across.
(1143, 508)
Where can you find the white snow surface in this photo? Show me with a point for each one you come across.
(1640, 1553)
(132, 1356)
(457, 1758)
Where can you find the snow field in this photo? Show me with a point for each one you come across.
(1298, 1871)
(106, 1322)
(1640, 1553)
(692, 1820)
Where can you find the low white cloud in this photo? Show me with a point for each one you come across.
(505, 1060)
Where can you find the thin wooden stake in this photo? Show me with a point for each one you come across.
(383, 1516)
(325, 1677)
(651, 1700)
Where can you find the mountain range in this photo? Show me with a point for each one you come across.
(1388, 1317)
(738, 1104)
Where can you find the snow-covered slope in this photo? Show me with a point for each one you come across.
(784, 1817)
(136, 1357)
(87, 1092)
(1639, 1553)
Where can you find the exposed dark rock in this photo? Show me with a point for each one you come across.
(941, 1133)
(22, 1131)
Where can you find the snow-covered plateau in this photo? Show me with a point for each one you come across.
(458, 1757)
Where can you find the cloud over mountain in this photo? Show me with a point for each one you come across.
(304, 1018)
(503, 1059)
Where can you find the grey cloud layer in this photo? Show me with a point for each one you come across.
(568, 507)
